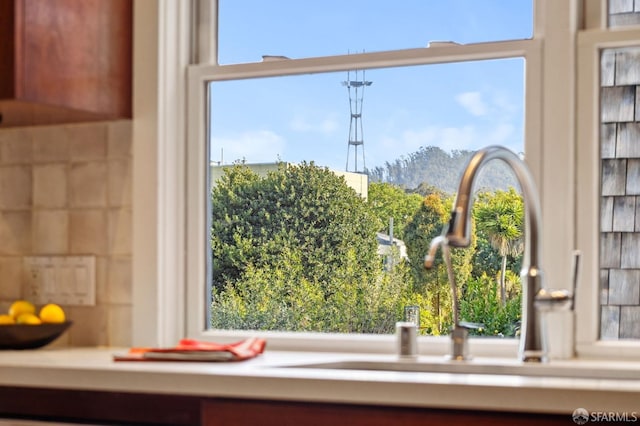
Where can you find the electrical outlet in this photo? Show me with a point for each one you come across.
(65, 280)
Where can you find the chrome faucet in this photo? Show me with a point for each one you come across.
(459, 331)
(458, 234)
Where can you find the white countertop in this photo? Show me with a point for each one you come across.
(264, 378)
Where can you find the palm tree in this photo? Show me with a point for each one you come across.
(500, 217)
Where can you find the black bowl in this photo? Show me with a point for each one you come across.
(26, 336)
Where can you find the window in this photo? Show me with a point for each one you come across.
(295, 106)
(403, 129)
(606, 184)
(549, 111)
(249, 29)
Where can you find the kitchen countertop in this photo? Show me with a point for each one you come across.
(264, 378)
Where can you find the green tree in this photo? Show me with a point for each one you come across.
(432, 289)
(480, 304)
(500, 217)
(426, 188)
(487, 260)
(391, 201)
(298, 207)
(296, 250)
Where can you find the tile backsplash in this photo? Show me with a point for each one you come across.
(66, 190)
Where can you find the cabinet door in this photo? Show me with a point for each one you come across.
(271, 413)
(72, 55)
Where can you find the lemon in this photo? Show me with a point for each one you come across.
(52, 313)
(20, 307)
(6, 319)
(27, 318)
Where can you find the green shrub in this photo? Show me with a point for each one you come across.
(297, 251)
(480, 303)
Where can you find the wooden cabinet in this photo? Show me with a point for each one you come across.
(65, 60)
(163, 409)
(98, 406)
(272, 413)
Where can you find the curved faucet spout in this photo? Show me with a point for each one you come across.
(459, 231)
(458, 234)
(429, 259)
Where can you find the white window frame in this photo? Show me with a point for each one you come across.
(198, 77)
(161, 53)
(170, 249)
(589, 45)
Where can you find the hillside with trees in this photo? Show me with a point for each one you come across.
(439, 169)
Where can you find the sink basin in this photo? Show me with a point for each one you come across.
(565, 369)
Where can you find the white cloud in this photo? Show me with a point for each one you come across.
(501, 134)
(465, 137)
(326, 125)
(503, 103)
(473, 103)
(412, 140)
(258, 146)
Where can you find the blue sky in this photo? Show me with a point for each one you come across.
(454, 106)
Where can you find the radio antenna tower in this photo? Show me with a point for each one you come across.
(356, 95)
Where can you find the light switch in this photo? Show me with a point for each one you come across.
(65, 280)
(81, 280)
(49, 279)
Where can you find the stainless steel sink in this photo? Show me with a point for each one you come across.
(564, 369)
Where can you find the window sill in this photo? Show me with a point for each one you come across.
(365, 343)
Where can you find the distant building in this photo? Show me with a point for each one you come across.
(385, 245)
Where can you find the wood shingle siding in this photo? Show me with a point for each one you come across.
(624, 12)
(620, 182)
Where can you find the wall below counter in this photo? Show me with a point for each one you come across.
(66, 190)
